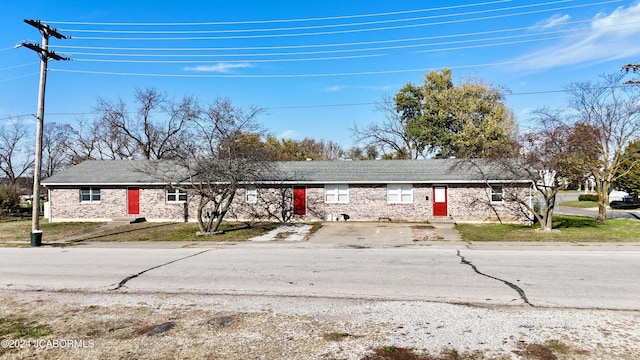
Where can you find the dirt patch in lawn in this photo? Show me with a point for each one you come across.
(424, 233)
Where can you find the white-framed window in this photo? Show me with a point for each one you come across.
(497, 195)
(176, 195)
(336, 193)
(89, 194)
(399, 194)
(251, 196)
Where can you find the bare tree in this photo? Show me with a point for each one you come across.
(612, 110)
(550, 158)
(390, 135)
(15, 159)
(224, 155)
(154, 130)
(543, 157)
(333, 150)
(56, 152)
(92, 139)
(83, 141)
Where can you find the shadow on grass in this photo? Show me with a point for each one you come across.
(567, 222)
(147, 232)
(109, 233)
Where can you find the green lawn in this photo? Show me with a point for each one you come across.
(20, 229)
(12, 231)
(580, 204)
(566, 228)
(149, 231)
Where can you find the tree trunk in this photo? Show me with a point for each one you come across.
(547, 220)
(603, 192)
(548, 223)
(602, 209)
(223, 210)
(201, 204)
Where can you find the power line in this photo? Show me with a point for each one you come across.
(18, 66)
(278, 20)
(280, 47)
(537, 39)
(18, 77)
(337, 31)
(525, 93)
(325, 26)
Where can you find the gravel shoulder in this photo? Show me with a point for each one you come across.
(266, 327)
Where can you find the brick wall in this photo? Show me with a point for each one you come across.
(466, 203)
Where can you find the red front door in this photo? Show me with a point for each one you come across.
(299, 200)
(133, 201)
(439, 201)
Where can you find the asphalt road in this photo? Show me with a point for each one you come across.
(611, 214)
(563, 279)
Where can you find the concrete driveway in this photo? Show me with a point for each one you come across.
(383, 234)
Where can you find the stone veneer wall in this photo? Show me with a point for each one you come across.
(66, 206)
(466, 203)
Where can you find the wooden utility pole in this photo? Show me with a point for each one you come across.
(45, 55)
(634, 68)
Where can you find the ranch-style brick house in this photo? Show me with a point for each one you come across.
(374, 190)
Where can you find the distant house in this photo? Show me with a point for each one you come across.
(380, 190)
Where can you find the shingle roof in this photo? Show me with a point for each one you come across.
(116, 172)
(393, 171)
(132, 172)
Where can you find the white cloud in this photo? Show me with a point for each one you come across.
(219, 67)
(9, 119)
(335, 88)
(288, 134)
(609, 37)
(555, 20)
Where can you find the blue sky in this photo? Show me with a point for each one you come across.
(317, 67)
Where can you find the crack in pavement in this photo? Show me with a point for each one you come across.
(515, 287)
(125, 280)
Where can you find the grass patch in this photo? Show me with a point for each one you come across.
(550, 350)
(315, 227)
(570, 229)
(336, 336)
(424, 233)
(396, 353)
(180, 232)
(283, 235)
(21, 328)
(580, 204)
(20, 230)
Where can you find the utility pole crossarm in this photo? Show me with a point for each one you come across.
(43, 53)
(634, 68)
(46, 29)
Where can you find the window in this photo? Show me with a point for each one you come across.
(252, 195)
(89, 194)
(176, 195)
(399, 194)
(336, 193)
(496, 193)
